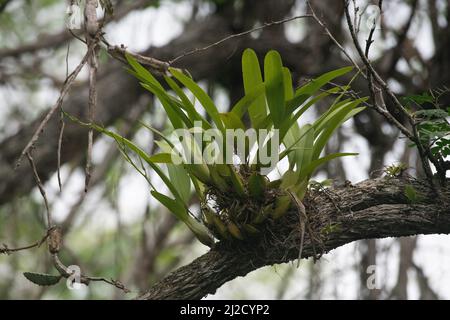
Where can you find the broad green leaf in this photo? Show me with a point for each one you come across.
(331, 126)
(171, 104)
(294, 103)
(142, 73)
(321, 123)
(199, 171)
(411, 194)
(142, 154)
(273, 78)
(256, 186)
(307, 171)
(181, 181)
(252, 78)
(287, 80)
(161, 158)
(175, 115)
(176, 207)
(307, 90)
(291, 140)
(42, 279)
(157, 132)
(186, 103)
(181, 213)
(307, 143)
(290, 121)
(289, 179)
(231, 121)
(324, 121)
(202, 97)
(242, 106)
(292, 148)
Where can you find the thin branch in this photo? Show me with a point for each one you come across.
(41, 189)
(237, 35)
(412, 136)
(65, 272)
(64, 90)
(6, 250)
(92, 29)
(120, 52)
(369, 66)
(60, 138)
(330, 35)
(397, 50)
(62, 126)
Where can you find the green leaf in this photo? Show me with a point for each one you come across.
(323, 120)
(161, 158)
(231, 121)
(289, 179)
(181, 213)
(252, 78)
(242, 106)
(332, 123)
(432, 114)
(290, 121)
(307, 143)
(142, 73)
(306, 91)
(273, 78)
(412, 194)
(291, 141)
(419, 98)
(159, 133)
(287, 82)
(175, 115)
(42, 279)
(181, 181)
(176, 207)
(294, 103)
(202, 97)
(122, 141)
(186, 103)
(256, 186)
(293, 147)
(312, 166)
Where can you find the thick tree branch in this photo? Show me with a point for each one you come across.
(375, 208)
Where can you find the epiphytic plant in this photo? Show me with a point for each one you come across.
(237, 198)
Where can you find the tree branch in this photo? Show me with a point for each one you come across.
(375, 208)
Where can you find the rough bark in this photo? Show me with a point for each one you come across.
(374, 208)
